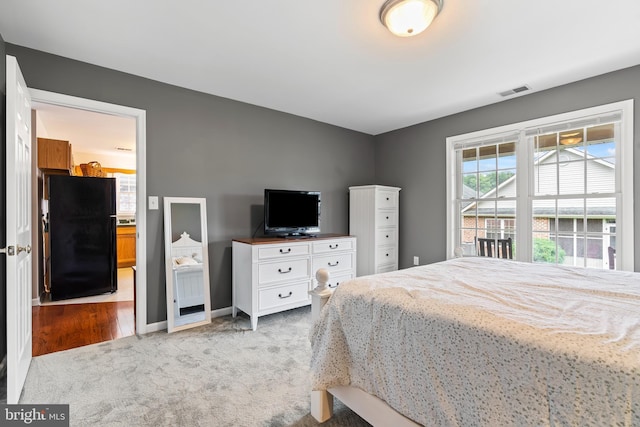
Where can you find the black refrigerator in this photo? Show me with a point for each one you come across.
(82, 236)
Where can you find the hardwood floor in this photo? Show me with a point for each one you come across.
(61, 327)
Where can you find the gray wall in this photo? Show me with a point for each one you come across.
(414, 158)
(200, 145)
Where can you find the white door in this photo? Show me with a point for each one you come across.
(18, 251)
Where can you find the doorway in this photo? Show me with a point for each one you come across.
(134, 221)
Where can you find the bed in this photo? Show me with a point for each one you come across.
(481, 341)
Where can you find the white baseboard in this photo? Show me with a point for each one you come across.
(221, 312)
(155, 327)
(160, 326)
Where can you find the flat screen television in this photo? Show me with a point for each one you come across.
(291, 213)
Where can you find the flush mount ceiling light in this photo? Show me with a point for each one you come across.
(570, 138)
(406, 18)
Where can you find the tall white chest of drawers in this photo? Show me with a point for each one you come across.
(270, 275)
(373, 219)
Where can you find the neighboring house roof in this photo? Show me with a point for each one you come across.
(603, 180)
(468, 193)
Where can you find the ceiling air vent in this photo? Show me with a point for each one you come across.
(514, 91)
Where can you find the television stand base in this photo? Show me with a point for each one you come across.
(297, 236)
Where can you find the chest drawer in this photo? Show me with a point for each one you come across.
(335, 262)
(281, 251)
(270, 298)
(328, 246)
(387, 236)
(271, 272)
(386, 255)
(387, 218)
(387, 199)
(385, 268)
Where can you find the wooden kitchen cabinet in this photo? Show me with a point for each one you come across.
(126, 245)
(54, 154)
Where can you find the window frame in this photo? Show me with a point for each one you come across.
(525, 179)
(118, 176)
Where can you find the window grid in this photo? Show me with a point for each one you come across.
(571, 159)
(482, 204)
(576, 158)
(126, 193)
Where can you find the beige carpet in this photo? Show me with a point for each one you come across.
(222, 374)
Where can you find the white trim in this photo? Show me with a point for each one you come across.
(451, 214)
(140, 116)
(624, 158)
(219, 312)
(158, 326)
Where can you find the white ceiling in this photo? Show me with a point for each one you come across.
(88, 132)
(332, 60)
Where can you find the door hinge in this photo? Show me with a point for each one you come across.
(9, 250)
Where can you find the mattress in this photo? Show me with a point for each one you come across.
(483, 341)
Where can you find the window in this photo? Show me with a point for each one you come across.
(560, 187)
(486, 193)
(126, 193)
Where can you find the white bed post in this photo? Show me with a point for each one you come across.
(320, 294)
(321, 400)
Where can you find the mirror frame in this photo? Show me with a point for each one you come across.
(168, 243)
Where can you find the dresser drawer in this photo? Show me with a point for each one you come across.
(281, 251)
(335, 281)
(386, 255)
(335, 262)
(387, 199)
(327, 246)
(387, 236)
(387, 218)
(270, 272)
(270, 298)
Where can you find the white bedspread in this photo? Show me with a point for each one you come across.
(488, 342)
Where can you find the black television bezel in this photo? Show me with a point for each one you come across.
(284, 231)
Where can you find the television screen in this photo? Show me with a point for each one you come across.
(290, 212)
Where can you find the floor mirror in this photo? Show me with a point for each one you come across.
(187, 263)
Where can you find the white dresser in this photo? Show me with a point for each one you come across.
(373, 220)
(270, 275)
